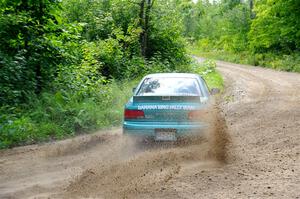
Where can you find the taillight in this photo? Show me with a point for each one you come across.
(196, 114)
(133, 114)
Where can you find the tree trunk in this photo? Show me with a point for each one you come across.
(144, 23)
(38, 67)
(147, 17)
(251, 5)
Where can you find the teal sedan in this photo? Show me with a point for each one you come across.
(166, 106)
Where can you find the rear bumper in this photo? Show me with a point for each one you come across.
(148, 128)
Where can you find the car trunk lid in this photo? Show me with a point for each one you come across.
(167, 108)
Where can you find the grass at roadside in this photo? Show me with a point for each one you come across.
(207, 69)
(59, 115)
(281, 62)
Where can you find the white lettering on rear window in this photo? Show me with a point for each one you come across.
(160, 107)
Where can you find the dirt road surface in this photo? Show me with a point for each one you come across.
(257, 157)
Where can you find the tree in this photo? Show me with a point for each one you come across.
(276, 26)
(27, 55)
(145, 9)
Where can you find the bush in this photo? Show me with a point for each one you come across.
(63, 114)
(15, 131)
(207, 70)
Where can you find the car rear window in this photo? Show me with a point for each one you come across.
(171, 86)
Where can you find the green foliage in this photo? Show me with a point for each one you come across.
(267, 35)
(165, 39)
(207, 69)
(221, 26)
(31, 47)
(113, 31)
(65, 65)
(276, 26)
(14, 130)
(64, 113)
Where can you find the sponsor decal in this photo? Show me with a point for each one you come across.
(161, 107)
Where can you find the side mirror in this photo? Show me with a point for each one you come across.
(214, 91)
(133, 89)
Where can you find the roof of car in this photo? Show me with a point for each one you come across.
(188, 75)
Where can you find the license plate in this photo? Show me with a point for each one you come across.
(165, 134)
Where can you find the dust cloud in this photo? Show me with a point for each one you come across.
(147, 166)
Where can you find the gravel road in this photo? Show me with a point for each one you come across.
(253, 154)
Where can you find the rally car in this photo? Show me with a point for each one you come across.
(166, 106)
